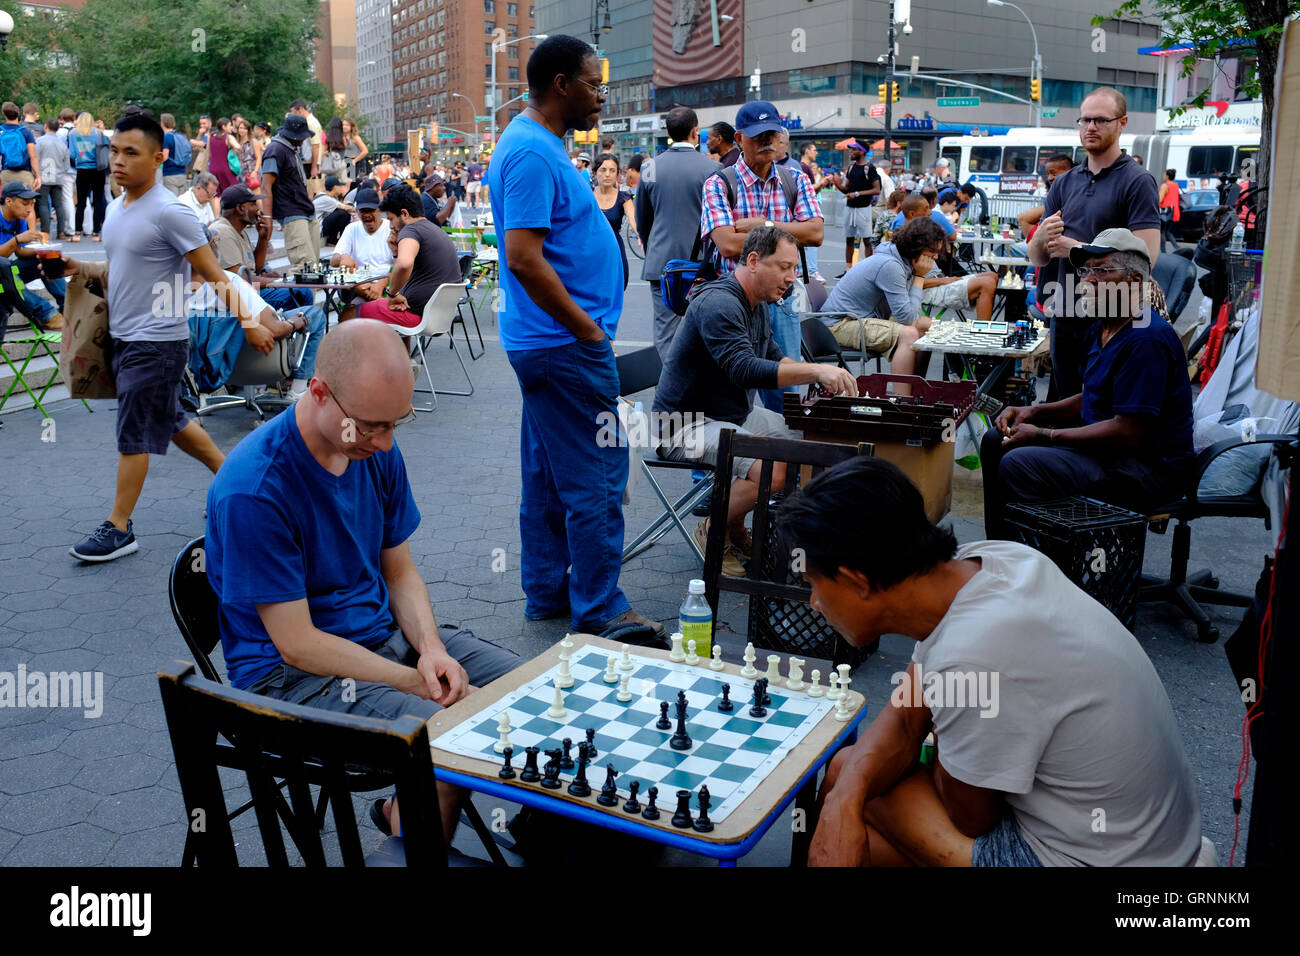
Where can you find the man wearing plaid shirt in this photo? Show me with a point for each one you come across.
(760, 199)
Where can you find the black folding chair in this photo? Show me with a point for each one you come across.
(466, 268)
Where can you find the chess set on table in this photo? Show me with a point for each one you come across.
(1002, 338)
(725, 760)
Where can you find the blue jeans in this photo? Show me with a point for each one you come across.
(286, 298)
(811, 253)
(785, 329)
(571, 509)
(28, 271)
(315, 317)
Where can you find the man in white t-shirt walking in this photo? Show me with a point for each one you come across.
(1055, 745)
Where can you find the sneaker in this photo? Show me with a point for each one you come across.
(731, 565)
(630, 618)
(744, 544)
(817, 276)
(55, 322)
(106, 543)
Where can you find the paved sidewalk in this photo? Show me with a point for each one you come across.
(82, 791)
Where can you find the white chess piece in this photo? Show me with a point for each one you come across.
(844, 678)
(844, 706)
(624, 692)
(557, 704)
(566, 648)
(815, 688)
(503, 728)
(564, 678)
(834, 692)
(749, 670)
(773, 674)
(691, 657)
(625, 662)
(795, 681)
(676, 653)
(610, 677)
(716, 664)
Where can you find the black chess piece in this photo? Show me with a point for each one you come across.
(680, 740)
(609, 792)
(632, 805)
(682, 817)
(758, 710)
(663, 723)
(592, 753)
(767, 698)
(530, 773)
(651, 812)
(551, 771)
(507, 772)
(702, 823)
(580, 787)
(566, 762)
(725, 705)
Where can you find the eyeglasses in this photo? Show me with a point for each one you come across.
(603, 89)
(364, 432)
(1083, 121)
(1096, 272)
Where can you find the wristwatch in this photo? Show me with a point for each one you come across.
(769, 223)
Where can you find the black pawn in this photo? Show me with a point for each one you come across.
(663, 723)
(609, 792)
(632, 806)
(682, 818)
(580, 787)
(566, 762)
(702, 823)
(758, 710)
(651, 812)
(551, 771)
(507, 772)
(591, 743)
(725, 705)
(530, 773)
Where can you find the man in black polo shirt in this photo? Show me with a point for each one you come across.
(284, 191)
(1109, 191)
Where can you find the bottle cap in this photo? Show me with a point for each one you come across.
(695, 587)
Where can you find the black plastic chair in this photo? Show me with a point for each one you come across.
(466, 268)
(194, 608)
(1176, 277)
(638, 371)
(818, 344)
(304, 746)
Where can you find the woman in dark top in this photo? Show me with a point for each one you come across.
(615, 203)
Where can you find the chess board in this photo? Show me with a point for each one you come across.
(961, 337)
(732, 753)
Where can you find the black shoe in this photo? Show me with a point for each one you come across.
(704, 508)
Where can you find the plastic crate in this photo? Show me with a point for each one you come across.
(1096, 545)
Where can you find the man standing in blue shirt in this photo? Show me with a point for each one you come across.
(562, 294)
(1126, 437)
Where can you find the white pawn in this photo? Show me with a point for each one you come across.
(610, 677)
(749, 670)
(795, 681)
(691, 657)
(716, 664)
(625, 662)
(773, 674)
(557, 704)
(834, 692)
(503, 728)
(844, 678)
(565, 676)
(676, 653)
(844, 706)
(815, 688)
(624, 692)
(566, 649)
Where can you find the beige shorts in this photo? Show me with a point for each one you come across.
(951, 295)
(881, 335)
(17, 176)
(700, 441)
(302, 242)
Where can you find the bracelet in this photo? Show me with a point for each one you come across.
(1051, 436)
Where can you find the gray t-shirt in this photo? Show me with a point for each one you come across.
(146, 243)
(1077, 732)
(878, 287)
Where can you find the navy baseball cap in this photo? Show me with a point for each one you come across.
(389, 183)
(237, 195)
(758, 117)
(367, 199)
(948, 195)
(17, 190)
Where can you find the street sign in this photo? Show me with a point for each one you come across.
(1049, 114)
(446, 136)
(482, 119)
(954, 101)
(878, 109)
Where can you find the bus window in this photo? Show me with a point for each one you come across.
(1018, 159)
(985, 159)
(1047, 152)
(1246, 153)
(953, 155)
(1208, 160)
(1080, 155)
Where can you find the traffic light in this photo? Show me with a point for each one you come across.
(894, 92)
(1036, 89)
(880, 92)
(604, 69)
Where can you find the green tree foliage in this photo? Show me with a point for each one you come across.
(1211, 29)
(184, 57)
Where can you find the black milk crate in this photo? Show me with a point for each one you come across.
(1072, 532)
(793, 627)
(927, 416)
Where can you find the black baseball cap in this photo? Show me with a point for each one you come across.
(332, 181)
(367, 199)
(17, 190)
(237, 195)
(389, 183)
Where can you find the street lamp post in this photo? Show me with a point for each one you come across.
(889, 90)
(495, 48)
(1036, 68)
(348, 85)
(473, 115)
(755, 78)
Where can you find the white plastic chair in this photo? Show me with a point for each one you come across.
(439, 313)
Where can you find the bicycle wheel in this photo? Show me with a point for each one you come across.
(631, 241)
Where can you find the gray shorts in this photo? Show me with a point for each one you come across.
(858, 222)
(483, 663)
(700, 441)
(950, 295)
(1003, 846)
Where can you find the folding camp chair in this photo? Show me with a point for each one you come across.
(35, 341)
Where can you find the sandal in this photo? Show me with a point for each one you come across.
(95, 238)
(76, 238)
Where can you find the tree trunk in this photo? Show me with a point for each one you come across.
(1259, 15)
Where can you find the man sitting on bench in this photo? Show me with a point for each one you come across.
(722, 352)
(1056, 744)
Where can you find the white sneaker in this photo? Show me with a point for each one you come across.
(818, 277)
(299, 388)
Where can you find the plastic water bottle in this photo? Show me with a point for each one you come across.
(695, 620)
(1238, 242)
